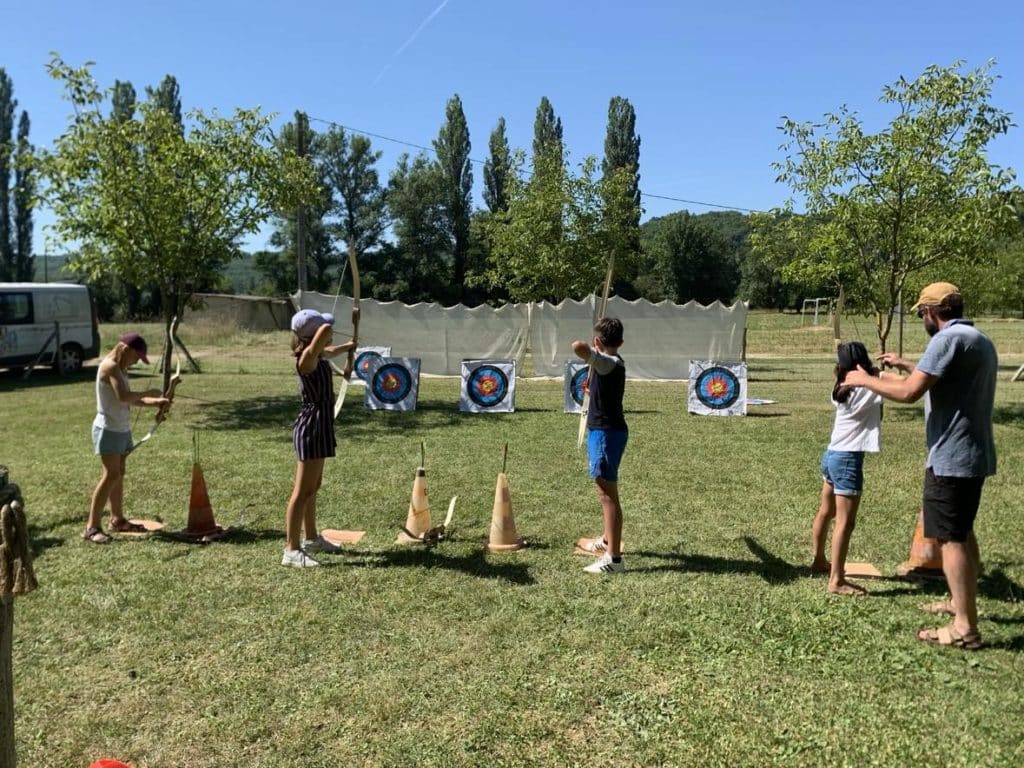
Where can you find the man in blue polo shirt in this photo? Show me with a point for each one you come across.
(958, 373)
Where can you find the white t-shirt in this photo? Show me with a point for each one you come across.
(111, 413)
(858, 422)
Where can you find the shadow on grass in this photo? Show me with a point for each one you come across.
(1010, 413)
(12, 379)
(769, 567)
(475, 563)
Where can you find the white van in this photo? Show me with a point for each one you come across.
(31, 312)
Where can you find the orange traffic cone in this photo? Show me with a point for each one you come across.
(417, 520)
(925, 559)
(504, 537)
(200, 512)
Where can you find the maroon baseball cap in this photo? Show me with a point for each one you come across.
(136, 342)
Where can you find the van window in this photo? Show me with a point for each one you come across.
(15, 308)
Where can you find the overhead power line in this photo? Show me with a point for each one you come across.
(481, 162)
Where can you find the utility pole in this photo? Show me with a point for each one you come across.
(300, 224)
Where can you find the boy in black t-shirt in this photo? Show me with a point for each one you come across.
(607, 437)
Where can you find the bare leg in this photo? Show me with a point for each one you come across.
(611, 510)
(117, 495)
(819, 528)
(846, 520)
(307, 474)
(960, 565)
(113, 465)
(309, 509)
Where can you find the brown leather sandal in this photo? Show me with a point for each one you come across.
(96, 536)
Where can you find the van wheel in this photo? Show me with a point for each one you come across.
(70, 359)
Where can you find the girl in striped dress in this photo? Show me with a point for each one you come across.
(313, 433)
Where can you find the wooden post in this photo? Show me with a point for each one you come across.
(16, 578)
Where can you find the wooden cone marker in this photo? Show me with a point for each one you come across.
(417, 520)
(925, 559)
(504, 537)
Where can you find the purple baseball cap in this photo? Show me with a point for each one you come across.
(305, 322)
(136, 342)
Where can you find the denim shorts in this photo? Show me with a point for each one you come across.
(108, 441)
(844, 471)
(605, 448)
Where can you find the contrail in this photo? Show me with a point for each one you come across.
(409, 42)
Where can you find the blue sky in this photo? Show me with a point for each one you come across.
(708, 83)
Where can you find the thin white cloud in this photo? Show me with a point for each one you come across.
(409, 42)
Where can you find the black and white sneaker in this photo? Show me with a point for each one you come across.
(605, 564)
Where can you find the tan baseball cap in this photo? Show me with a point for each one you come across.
(934, 294)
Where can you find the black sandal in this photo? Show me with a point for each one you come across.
(96, 536)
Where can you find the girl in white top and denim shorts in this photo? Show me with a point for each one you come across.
(854, 433)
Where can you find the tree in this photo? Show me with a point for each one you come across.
(7, 105)
(419, 267)
(167, 96)
(320, 251)
(122, 101)
(547, 135)
(146, 200)
(884, 208)
(689, 260)
(497, 169)
(452, 146)
(357, 198)
(622, 155)
(24, 197)
(556, 237)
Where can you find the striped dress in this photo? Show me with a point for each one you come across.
(313, 433)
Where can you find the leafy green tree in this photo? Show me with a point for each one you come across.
(689, 260)
(7, 105)
(497, 169)
(145, 200)
(167, 96)
(558, 233)
(122, 100)
(452, 147)
(622, 155)
(322, 256)
(419, 267)
(24, 197)
(885, 208)
(348, 163)
(547, 138)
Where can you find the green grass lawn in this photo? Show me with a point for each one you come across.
(715, 648)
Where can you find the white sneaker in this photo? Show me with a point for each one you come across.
(296, 558)
(605, 564)
(320, 544)
(597, 546)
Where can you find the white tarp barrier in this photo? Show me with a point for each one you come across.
(659, 339)
(442, 337)
(488, 386)
(717, 388)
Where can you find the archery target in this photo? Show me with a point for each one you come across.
(393, 384)
(576, 373)
(367, 358)
(488, 386)
(717, 388)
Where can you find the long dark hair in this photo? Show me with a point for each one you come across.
(849, 355)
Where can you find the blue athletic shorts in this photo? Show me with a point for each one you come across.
(605, 448)
(844, 471)
(108, 441)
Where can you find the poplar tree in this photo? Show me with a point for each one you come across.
(547, 136)
(122, 100)
(24, 192)
(452, 146)
(622, 156)
(497, 169)
(7, 105)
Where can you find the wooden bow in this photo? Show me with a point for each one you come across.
(346, 375)
(161, 414)
(836, 314)
(585, 408)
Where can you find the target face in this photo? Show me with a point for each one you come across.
(487, 386)
(717, 388)
(365, 362)
(579, 384)
(391, 383)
